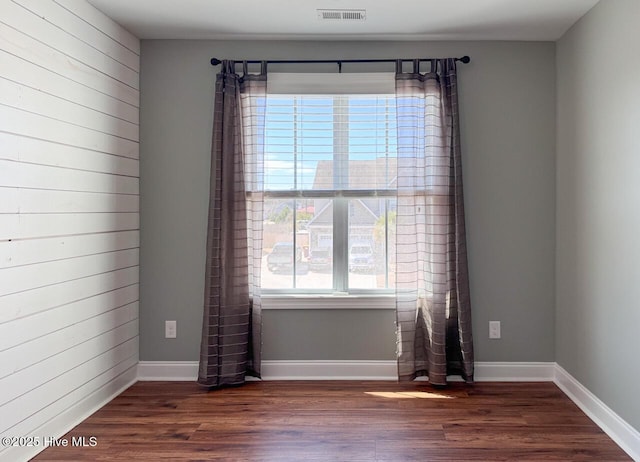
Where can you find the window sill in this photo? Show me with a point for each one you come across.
(328, 302)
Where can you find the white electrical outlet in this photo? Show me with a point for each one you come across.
(494, 329)
(170, 329)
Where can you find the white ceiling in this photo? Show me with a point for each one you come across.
(386, 19)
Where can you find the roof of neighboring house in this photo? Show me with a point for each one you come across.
(380, 173)
(307, 209)
(362, 216)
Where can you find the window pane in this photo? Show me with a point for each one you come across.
(277, 260)
(367, 244)
(312, 267)
(330, 142)
(314, 223)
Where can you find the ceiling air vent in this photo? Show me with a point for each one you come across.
(342, 15)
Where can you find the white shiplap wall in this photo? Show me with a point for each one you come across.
(69, 221)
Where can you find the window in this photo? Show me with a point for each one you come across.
(329, 209)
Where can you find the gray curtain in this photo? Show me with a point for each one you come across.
(231, 337)
(432, 285)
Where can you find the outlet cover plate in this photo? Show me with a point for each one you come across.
(494, 329)
(170, 329)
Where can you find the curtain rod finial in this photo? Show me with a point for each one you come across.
(465, 60)
(215, 61)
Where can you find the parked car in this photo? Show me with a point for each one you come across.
(281, 257)
(321, 259)
(361, 258)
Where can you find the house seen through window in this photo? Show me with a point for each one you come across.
(330, 180)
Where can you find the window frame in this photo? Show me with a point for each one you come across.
(336, 85)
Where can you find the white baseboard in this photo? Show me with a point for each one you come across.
(277, 370)
(611, 423)
(514, 371)
(347, 370)
(387, 370)
(73, 416)
(174, 371)
(329, 370)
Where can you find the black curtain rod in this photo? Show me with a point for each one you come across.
(216, 61)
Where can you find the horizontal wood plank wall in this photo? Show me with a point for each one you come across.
(69, 216)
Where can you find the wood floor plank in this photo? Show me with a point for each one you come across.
(340, 421)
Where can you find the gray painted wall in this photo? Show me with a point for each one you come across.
(508, 134)
(598, 205)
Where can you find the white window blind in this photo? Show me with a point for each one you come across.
(372, 83)
(330, 143)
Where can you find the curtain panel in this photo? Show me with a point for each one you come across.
(231, 331)
(432, 285)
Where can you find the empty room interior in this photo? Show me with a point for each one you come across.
(319, 230)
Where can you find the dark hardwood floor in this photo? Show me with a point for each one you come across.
(340, 421)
